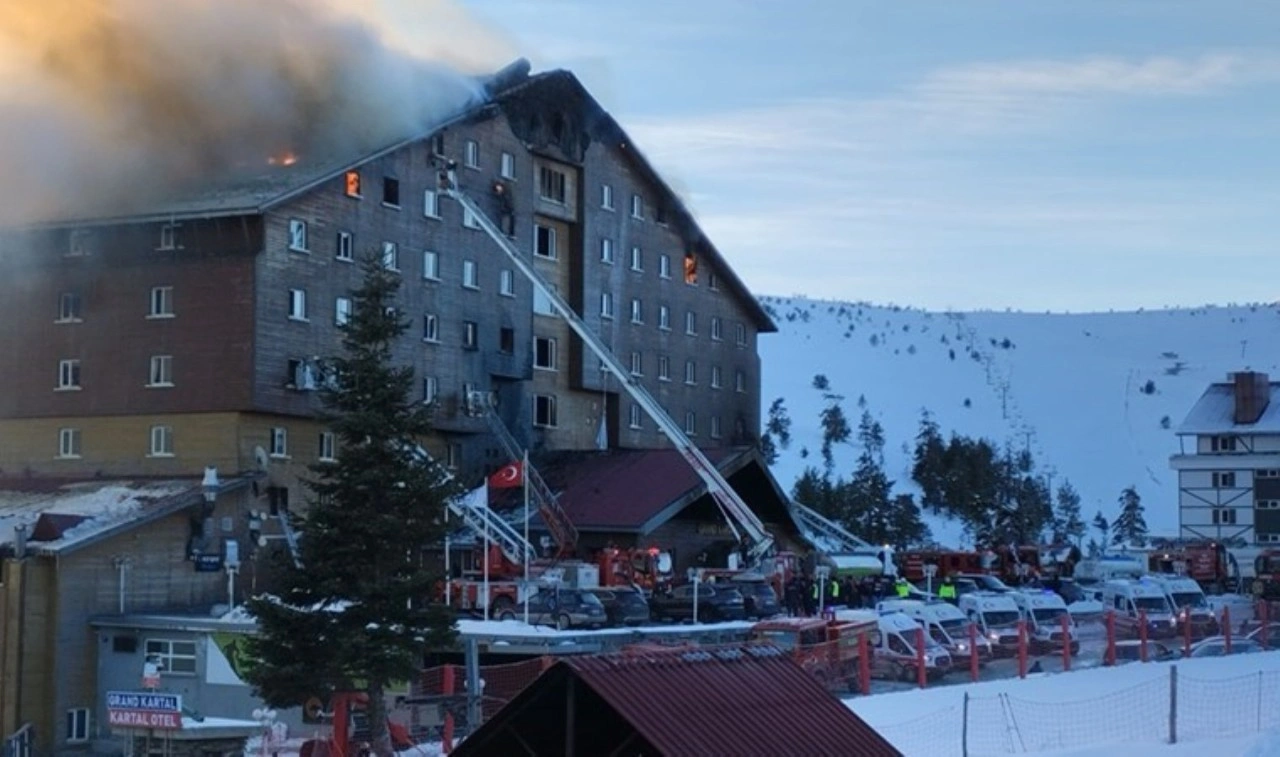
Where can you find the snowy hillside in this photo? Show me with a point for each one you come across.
(1096, 397)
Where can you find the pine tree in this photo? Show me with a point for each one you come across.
(1103, 526)
(778, 426)
(929, 468)
(835, 429)
(357, 614)
(1067, 526)
(1130, 526)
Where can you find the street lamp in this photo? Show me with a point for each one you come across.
(210, 484)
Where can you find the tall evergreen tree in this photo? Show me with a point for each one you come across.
(358, 614)
(1067, 526)
(777, 427)
(929, 464)
(1103, 526)
(835, 429)
(1130, 526)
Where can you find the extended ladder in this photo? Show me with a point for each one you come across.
(830, 531)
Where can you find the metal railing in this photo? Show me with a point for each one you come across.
(21, 743)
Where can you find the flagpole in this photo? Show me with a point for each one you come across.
(487, 515)
(524, 479)
(448, 574)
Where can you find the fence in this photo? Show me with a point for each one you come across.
(20, 744)
(1167, 708)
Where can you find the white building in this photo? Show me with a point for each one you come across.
(1229, 463)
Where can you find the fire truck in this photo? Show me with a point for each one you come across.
(949, 562)
(1266, 581)
(828, 649)
(1206, 562)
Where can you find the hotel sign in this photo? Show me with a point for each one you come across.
(144, 709)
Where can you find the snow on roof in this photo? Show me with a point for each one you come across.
(77, 511)
(1214, 413)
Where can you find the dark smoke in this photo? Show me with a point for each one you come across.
(106, 105)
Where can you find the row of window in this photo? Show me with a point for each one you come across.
(159, 373)
(80, 242)
(545, 416)
(160, 443)
(159, 305)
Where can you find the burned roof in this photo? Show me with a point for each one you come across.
(741, 700)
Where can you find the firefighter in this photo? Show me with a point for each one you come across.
(902, 588)
(810, 596)
(947, 590)
(833, 593)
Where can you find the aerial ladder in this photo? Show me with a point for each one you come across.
(835, 538)
(746, 527)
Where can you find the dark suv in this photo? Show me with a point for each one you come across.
(562, 608)
(716, 602)
(759, 600)
(623, 606)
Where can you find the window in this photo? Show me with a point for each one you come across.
(544, 353)
(637, 364)
(430, 389)
(68, 307)
(606, 196)
(637, 259)
(713, 282)
(79, 242)
(78, 724)
(664, 368)
(352, 184)
(391, 256)
(431, 265)
(606, 304)
(471, 154)
(390, 191)
(636, 416)
(437, 145)
(1224, 516)
(664, 317)
(161, 371)
(691, 323)
(691, 423)
(168, 236)
(68, 374)
(544, 242)
(68, 442)
(740, 334)
(690, 268)
(1268, 504)
(637, 206)
(161, 302)
(690, 372)
(470, 275)
(739, 381)
(430, 328)
(551, 185)
(430, 204)
(298, 304)
(660, 214)
(328, 446)
(664, 266)
(542, 303)
(279, 442)
(469, 220)
(507, 282)
(1224, 480)
(1267, 473)
(637, 311)
(715, 427)
(470, 335)
(508, 170)
(544, 410)
(1222, 444)
(507, 340)
(161, 441)
(342, 311)
(297, 235)
(606, 251)
(715, 377)
(174, 656)
(346, 247)
(715, 328)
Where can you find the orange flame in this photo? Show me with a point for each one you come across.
(284, 159)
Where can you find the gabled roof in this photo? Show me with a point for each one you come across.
(1214, 413)
(742, 700)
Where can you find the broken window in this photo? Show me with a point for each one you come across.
(544, 353)
(68, 307)
(507, 340)
(391, 191)
(551, 185)
(353, 184)
(690, 268)
(297, 235)
(544, 410)
(544, 242)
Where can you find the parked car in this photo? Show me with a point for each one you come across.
(759, 600)
(1216, 646)
(1130, 650)
(623, 606)
(985, 582)
(1273, 635)
(562, 608)
(715, 603)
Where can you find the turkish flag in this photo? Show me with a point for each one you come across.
(508, 476)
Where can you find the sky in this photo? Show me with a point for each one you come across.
(1065, 155)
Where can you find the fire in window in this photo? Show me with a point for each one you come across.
(690, 268)
(353, 183)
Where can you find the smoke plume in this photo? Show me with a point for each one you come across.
(108, 105)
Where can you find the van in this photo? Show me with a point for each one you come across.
(1111, 567)
(1043, 612)
(944, 622)
(997, 617)
(895, 646)
(1130, 598)
(1188, 600)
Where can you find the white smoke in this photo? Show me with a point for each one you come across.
(106, 105)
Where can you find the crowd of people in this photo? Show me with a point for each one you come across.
(807, 596)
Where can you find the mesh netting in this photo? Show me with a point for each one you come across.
(936, 734)
(1227, 707)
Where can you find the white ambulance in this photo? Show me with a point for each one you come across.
(945, 623)
(1043, 612)
(997, 617)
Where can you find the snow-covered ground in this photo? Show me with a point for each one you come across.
(102, 505)
(1225, 707)
(1069, 387)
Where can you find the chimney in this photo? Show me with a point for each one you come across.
(1252, 395)
(20, 541)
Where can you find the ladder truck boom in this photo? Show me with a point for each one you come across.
(736, 513)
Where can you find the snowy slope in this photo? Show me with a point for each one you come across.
(1069, 387)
